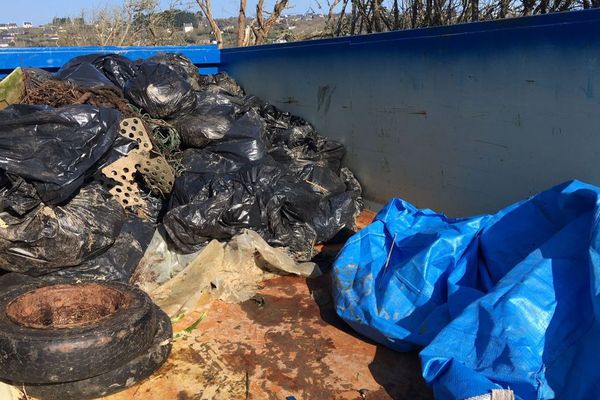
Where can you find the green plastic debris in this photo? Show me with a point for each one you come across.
(12, 88)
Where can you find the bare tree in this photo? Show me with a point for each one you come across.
(255, 32)
(137, 22)
(369, 16)
(206, 8)
(262, 27)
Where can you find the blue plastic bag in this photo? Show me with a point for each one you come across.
(503, 301)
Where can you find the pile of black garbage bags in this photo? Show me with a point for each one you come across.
(241, 164)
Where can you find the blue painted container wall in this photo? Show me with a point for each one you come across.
(207, 58)
(462, 119)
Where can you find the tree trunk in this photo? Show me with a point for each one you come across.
(428, 9)
(396, 12)
(415, 13)
(503, 8)
(207, 11)
(242, 24)
(261, 31)
(528, 6)
(474, 10)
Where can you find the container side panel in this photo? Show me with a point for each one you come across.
(463, 119)
(52, 58)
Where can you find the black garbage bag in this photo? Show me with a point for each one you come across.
(219, 205)
(321, 178)
(181, 64)
(119, 262)
(17, 195)
(47, 239)
(211, 119)
(292, 189)
(220, 103)
(198, 130)
(263, 196)
(200, 168)
(293, 141)
(97, 70)
(219, 126)
(243, 142)
(160, 91)
(329, 153)
(221, 83)
(81, 72)
(353, 186)
(117, 68)
(52, 148)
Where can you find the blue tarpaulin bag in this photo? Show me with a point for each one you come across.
(509, 300)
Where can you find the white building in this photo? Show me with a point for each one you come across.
(188, 27)
(27, 24)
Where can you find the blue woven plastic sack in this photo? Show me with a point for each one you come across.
(509, 300)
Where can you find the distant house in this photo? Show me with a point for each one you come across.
(188, 27)
(27, 24)
(12, 25)
(3, 27)
(5, 41)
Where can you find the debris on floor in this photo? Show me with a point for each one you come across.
(231, 271)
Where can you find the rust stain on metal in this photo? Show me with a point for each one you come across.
(286, 345)
(290, 100)
(287, 341)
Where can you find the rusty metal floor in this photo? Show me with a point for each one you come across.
(287, 341)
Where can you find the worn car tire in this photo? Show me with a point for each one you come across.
(43, 339)
(118, 379)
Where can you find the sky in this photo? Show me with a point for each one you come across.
(42, 11)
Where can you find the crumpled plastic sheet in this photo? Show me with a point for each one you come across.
(230, 271)
(503, 301)
(160, 262)
(8, 392)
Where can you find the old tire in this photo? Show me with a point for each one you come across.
(67, 332)
(120, 378)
